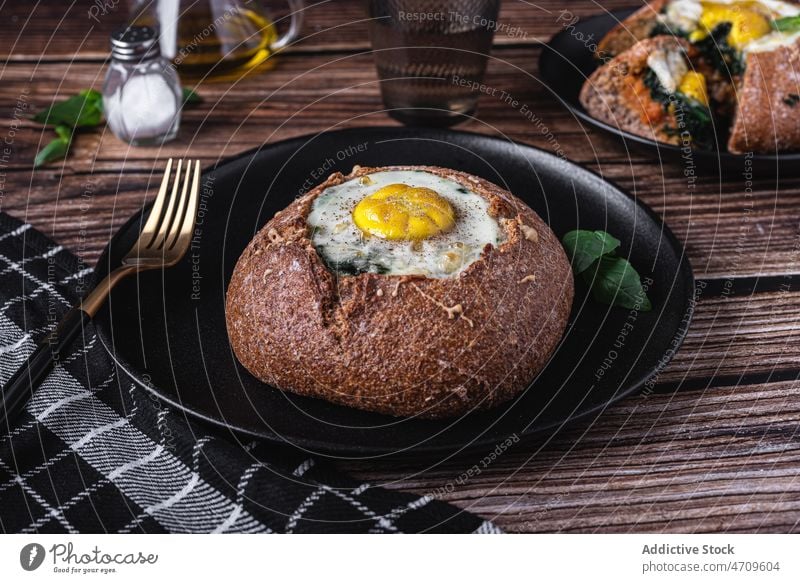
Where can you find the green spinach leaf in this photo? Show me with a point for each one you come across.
(79, 111)
(611, 279)
(614, 281)
(585, 247)
(696, 119)
(787, 24)
(657, 91)
(690, 114)
(57, 149)
(719, 52)
(82, 110)
(791, 99)
(190, 96)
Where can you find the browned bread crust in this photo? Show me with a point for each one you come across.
(627, 33)
(767, 118)
(401, 345)
(614, 93)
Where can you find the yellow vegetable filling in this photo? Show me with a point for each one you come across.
(693, 84)
(747, 23)
(405, 213)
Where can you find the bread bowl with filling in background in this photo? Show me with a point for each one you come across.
(755, 81)
(618, 93)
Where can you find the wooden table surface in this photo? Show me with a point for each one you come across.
(715, 447)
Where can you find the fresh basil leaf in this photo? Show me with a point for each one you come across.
(64, 132)
(787, 24)
(585, 247)
(190, 96)
(55, 150)
(82, 110)
(614, 281)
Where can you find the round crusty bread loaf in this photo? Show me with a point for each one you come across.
(767, 118)
(401, 345)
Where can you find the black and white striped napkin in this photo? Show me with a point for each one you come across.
(95, 453)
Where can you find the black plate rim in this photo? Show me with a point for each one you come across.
(339, 451)
(548, 52)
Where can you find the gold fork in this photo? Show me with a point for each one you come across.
(162, 243)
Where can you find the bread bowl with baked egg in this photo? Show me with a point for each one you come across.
(404, 290)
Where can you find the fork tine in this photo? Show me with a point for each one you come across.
(149, 230)
(181, 243)
(191, 213)
(169, 231)
(177, 222)
(166, 221)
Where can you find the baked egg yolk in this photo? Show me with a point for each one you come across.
(747, 23)
(693, 84)
(404, 213)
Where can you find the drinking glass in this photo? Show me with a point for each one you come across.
(430, 56)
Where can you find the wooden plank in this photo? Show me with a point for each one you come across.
(728, 227)
(720, 460)
(54, 30)
(740, 335)
(723, 458)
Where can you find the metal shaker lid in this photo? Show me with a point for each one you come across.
(134, 43)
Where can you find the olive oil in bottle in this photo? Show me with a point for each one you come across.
(210, 38)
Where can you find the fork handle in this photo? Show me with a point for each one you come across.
(20, 387)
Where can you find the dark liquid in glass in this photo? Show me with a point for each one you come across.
(428, 72)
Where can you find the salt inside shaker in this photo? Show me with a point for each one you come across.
(142, 94)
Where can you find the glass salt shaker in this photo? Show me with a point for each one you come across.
(142, 94)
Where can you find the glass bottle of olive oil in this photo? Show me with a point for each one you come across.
(215, 38)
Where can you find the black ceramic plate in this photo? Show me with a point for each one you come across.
(568, 60)
(168, 329)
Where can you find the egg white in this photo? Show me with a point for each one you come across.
(772, 41)
(669, 67)
(347, 250)
(685, 15)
